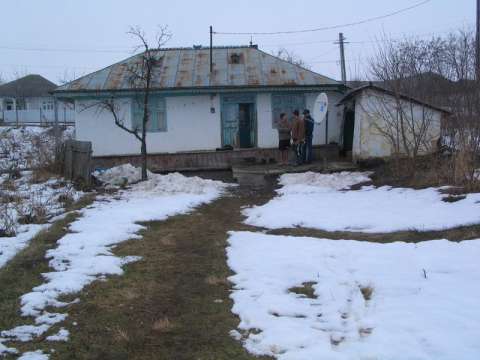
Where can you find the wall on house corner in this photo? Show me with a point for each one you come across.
(190, 126)
(268, 136)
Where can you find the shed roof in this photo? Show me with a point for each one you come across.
(354, 92)
(28, 86)
(189, 68)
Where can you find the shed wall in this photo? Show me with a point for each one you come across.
(368, 141)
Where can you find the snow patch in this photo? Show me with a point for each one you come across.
(371, 301)
(320, 201)
(120, 175)
(34, 355)
(30, 199)
(24, 332)
(62, 335)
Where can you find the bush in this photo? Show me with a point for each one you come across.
(8, 223)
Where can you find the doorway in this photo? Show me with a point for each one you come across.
(245, 125)
(238, 121)
(348, 130)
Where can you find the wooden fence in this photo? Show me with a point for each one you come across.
(78, 161)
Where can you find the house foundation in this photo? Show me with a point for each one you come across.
(209, 160)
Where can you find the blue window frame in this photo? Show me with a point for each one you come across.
(286, 103)
(157, 121)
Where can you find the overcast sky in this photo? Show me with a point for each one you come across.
(68, 38)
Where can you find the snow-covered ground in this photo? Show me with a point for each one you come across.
(85, 254)
(26, 208)
(371, 301)
(27, 147)
(322, 201)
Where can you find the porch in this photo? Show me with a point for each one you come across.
(211, 160)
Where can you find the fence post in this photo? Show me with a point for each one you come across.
(16, 112)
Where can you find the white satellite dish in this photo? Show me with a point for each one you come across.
(320, 108)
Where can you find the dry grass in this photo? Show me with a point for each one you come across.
(363, 332)
(409, 236)
(432, 170)
(215, 280)
(305, 290)
(168, 240)
(367, 292)
(120, 335)
(167, 304)
(162, 325)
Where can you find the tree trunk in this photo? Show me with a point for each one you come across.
(144, 154)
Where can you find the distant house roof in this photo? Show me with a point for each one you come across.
(189, 68)
(28, 86)
(353, 93)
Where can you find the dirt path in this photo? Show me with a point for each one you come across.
(174, 303)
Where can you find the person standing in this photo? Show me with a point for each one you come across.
(298, 136)
(284, 129)
(309, 125)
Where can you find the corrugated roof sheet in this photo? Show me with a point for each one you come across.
(185, 68)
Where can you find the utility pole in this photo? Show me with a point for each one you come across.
(211, 49)
(341, 42)
(477, 44)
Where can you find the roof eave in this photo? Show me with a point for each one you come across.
(200, 90)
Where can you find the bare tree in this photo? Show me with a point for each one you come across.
(291, 57)
(69, 76)
(140, 80)
(407, 125)
(440, 71)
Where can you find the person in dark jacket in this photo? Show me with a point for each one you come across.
(309, 125)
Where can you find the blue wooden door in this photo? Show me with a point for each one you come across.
(230, 124)
(238, 120)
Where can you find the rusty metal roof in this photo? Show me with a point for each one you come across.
(189, 68)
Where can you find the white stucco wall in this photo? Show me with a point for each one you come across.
(369, 142)
(191, 126)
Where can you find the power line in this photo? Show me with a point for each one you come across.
(396, 38)
(331, 27)
(39, 49)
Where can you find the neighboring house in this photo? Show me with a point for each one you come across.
(194, 110)
(379, 123)
(29, 100)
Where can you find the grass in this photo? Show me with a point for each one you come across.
(24, 271)
(409, 236)
(367, 292)
(172, 304)
(306, 290)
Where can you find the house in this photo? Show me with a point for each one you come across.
(200, 114)
(29, 100)
(379, 123)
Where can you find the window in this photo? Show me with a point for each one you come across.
(8, 104)
(157, 114)
(47, 105)
(235, 59)
(21, 104)
(286, 103)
